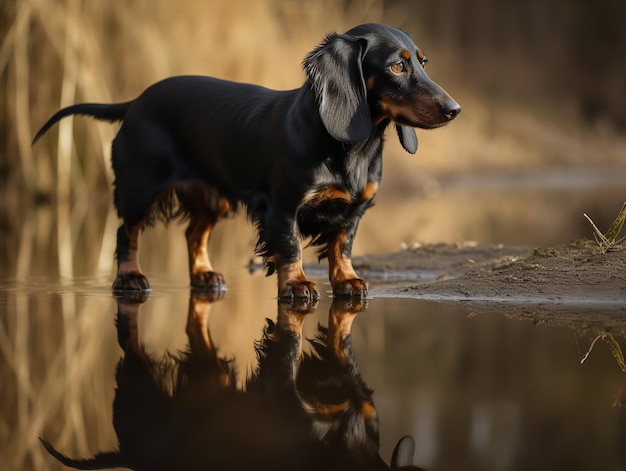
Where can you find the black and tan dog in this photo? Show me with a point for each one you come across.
(304, 162)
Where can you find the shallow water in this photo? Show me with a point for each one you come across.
(477, 392)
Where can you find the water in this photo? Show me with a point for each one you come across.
(477, 391)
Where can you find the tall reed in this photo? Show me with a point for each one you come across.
(57, 52)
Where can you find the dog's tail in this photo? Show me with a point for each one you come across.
(105, 460)
(113, 112)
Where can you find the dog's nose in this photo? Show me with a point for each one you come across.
(451, 109)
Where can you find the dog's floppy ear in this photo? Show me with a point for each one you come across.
(334, 70)
(408, 138)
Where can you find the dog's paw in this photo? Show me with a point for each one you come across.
(210, 280)
(299, 290)
(355, 287)
(131, 281)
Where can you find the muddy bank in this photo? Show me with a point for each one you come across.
(574, 284)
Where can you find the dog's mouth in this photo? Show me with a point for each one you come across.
(421, 124)
(433, 116)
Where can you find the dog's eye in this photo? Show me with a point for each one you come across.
(423, 61)
(397, 67)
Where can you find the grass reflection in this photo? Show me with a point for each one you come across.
(486, 387)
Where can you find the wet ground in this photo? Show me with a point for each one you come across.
(475, 389)
(474, 349)
(570, 284)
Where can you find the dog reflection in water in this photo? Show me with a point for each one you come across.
(298, 411)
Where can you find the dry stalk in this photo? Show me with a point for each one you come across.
(609, 240)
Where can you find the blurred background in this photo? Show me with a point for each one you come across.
(541, 139)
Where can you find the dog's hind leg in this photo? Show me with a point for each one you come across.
(205, 210)
(129, 276)
(201, 273)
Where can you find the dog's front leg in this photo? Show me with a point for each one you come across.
(292, 283)
(343, 278)
(284, 253)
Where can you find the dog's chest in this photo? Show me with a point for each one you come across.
(343, 188)
(350, 172)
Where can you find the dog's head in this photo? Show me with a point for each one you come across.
(374, 74)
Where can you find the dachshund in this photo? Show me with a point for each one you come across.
(305, 163)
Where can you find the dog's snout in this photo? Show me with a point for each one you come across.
(451, 109)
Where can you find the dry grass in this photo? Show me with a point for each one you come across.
(48, 346)
(55, 53)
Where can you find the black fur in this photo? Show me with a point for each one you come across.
(278, 153)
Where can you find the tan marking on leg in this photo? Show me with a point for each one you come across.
(369, 191)
(289, 273)
(292, 282)
(198, 233)
(339, 266)
(343, 278)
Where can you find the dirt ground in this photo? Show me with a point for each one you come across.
(575, 284)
